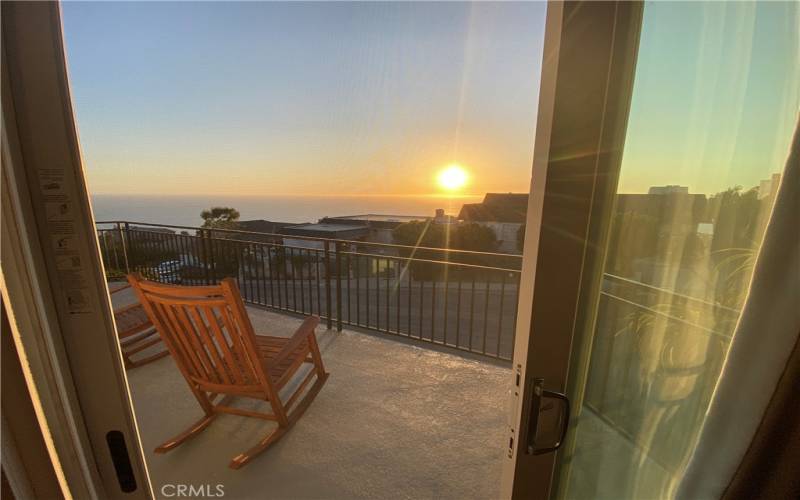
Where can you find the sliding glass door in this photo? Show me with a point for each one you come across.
(713, 107)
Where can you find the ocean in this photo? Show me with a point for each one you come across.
(185, 210)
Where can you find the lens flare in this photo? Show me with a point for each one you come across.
(452, 178)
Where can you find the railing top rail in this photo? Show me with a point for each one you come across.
(673, 293)
(445, 262)
(311, 238)
(672, 317)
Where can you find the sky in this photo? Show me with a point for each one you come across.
(377, 98)
(716, 95)
(304, 98)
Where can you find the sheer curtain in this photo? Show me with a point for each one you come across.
(762, 343)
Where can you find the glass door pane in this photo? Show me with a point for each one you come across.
(714, 104)
(366, 163)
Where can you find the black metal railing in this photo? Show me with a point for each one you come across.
(465, 300)
(461, 299)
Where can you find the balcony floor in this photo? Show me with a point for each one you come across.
(393, 421)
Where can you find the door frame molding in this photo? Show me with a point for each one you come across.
(33, 324)
(69, 355)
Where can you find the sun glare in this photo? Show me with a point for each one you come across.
(452, 178)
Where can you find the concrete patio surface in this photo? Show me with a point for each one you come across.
(393, 421)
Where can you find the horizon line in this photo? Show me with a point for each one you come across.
(320, 195)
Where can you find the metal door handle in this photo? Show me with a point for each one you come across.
(538, 392)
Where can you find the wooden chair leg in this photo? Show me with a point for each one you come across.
(243, 458)
(303, 405)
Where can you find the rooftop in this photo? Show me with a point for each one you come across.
(381, 217)
(392, 417)
(497, 207)
(262, 226)
(323, 230)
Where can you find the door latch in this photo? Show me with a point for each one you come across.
(538, 393)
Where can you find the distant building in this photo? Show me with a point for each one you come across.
(376, 219)
(152, 229)
(670, 207)
(351, 232)
(671, 189)
(503, 213)
(768, 188)
(442, 218)
(379, 227)
(497, 207)
(165, 244)
(261, 226)
(652, 230)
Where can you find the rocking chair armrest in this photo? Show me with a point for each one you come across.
(300, 335)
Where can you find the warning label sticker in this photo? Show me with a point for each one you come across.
(78, 301)
(60, 215)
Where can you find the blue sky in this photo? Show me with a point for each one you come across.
(716, 95)
(375, 98)
(303, 98)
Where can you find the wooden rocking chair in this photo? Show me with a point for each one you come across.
(210, 336)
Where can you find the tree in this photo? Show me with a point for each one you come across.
(475, 237)
(469, 236)
(226, 255)
(736, 216)
(739, 224)
(220, 218)
(421, 234)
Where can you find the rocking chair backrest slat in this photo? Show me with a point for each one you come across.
(208, 332)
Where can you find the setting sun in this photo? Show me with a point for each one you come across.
(452, 178)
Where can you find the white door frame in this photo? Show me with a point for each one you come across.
(530, 252)
(587, 81)
(52, 275)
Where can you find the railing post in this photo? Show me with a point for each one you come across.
(204, 256)
(201, 235)
(339, 247)
(328, 284)
(124, 241)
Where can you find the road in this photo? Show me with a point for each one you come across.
(479, 319)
